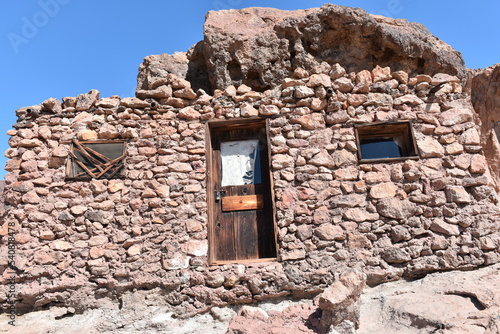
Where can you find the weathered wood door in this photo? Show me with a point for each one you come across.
(240, 199)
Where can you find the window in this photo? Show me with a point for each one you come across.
(386, 142)
(239, 161)
(96, 160)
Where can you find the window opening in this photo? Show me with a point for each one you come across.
(385, 142)
(96, 159)
(240, 162)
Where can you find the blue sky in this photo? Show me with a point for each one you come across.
(58, 48)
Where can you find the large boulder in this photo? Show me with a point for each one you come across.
(260, 47)
(485, 96)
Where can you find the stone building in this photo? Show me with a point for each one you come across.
(230, 179)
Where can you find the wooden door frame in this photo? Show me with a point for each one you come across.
(243, 123)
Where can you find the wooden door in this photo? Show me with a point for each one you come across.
(240, 199)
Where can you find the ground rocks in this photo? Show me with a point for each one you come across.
(452, 302)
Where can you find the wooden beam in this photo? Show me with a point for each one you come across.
(241, 203)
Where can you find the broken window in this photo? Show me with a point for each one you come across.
(96, 160)
(239, 161)
(386, 142)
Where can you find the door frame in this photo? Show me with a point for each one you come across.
(243, 123)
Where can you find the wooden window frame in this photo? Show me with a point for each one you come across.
(235, 124)
(102, 164)
(402, 129)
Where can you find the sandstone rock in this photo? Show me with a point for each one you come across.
(330, 232)
(87, 134)
(108, 131)
(268, 110)
(345, 85)
(196, 247)
(359, 215)
(478, 164)
(133, 102)
(395, 255)
(438, 225)
(109, 102)
(185, 93)
(383, 190)
(341, 300)
(395, 208)
(319, 80)
(381, 74)
(457, 194)
(323, 159)
(310, 122)
(52, 105)
(189, 114)
(303, 92)
(470, 137)
(441, 78)
(155, 69)
(456, 300)
(430, 147)
(61, 245)
(408, 99)
(455, 116)
(87, 101)
(296, 254)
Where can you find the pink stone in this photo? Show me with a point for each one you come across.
(319, 80)
(133, 102)
(364, 77)
(295, 254)
(87, 101)
(61, 245)
(323, 158)
(31, 198)
(430, 147)
(268, 110)
(310, 122)
(381, 74)
(360, 215)
(330, 232)
(302, 209)
(115, 186)
(383, 190)
(280, 161)
(196, 247)
(180, 167)
(455, 116)
(478, 164)
(86, 134)
(43, 258)
(78, 209)
(321, 215)
(189, 113)
(134, 250)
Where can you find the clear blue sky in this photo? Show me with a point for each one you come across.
(58, 48)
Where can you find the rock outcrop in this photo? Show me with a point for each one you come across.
(461, 302)
(259, 47)
(485, 95)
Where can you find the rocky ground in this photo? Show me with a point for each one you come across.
(451, 302)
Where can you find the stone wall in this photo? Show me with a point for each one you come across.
(143, 238)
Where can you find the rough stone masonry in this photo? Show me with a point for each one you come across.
(144, 237)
